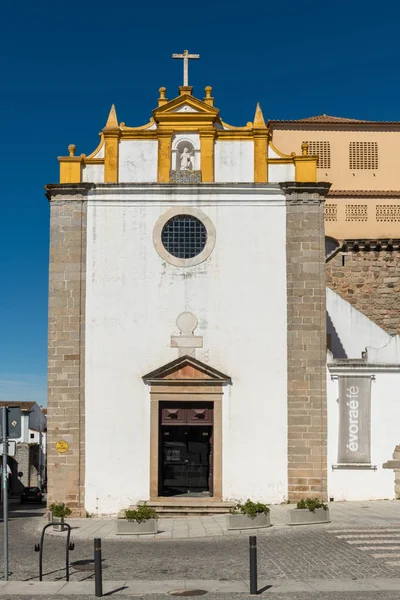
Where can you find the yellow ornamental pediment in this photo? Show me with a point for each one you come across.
(184, 111)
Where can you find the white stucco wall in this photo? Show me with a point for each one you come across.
(133, 298)
(353, 484)
(234, 161)
(93, 173)
(280, 172)
(356, 333)
(138, 161)
(354, 329)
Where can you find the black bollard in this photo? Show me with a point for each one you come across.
(98, 576)
(253, 565)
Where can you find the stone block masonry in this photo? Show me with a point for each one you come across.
(370, 281)
(306, 337)
(66, 345)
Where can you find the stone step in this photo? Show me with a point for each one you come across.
(191, 508)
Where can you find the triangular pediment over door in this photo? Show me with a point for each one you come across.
(188, 370)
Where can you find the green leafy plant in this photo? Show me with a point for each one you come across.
(312, 504)
(59, 510)
(142, 513)
(249, 508)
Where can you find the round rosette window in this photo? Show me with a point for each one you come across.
(184, 238)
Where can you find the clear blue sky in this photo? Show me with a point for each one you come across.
(64, 64)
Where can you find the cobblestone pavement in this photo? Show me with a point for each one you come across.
(234, 596)
(283, 553)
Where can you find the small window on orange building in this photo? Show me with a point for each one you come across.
(323, 151)
(363, 155)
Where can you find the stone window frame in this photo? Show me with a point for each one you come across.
(194, 260)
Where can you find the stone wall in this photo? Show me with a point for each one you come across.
(370, 281)
(22, 459)
(66, 401)
(307, 410)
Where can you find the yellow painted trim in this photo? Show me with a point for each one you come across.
(172, 105)
(259, 117)
(111, 139)
(207, 155)
(93, 161)
(260, 156)
(70, 169)
(247, 127)
(279, 153)
(237, 134)
(281, 161)
(164, 156)
(97, 150)
(306, 168)
(140, 128)
(139, 134)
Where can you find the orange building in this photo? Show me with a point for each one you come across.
(361, 159)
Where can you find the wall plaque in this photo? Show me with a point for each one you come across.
(62, 446)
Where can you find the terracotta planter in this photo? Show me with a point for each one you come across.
(245, 522)
(303, 516)
(60, 523)
(125, 527)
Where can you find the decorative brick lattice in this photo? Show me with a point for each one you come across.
(330, 212)
(356, 212)
(323, 151)
(363, 155)
(388, 212)
(185, 176)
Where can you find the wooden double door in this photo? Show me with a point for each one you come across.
(186, 449)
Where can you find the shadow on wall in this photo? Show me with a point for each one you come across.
(334, 343)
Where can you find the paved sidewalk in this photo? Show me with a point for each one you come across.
(142, 587)
(343, 514)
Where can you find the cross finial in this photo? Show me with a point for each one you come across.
(186, 56)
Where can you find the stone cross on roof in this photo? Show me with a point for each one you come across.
(186, 56)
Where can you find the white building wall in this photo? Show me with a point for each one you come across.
(356, 332)
(355, 484)
(93, 173)
(354, 329)
(234, 161)
(133, 298)
(280, 172)
(138, 161)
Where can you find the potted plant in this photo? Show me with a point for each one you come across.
(309, 511)
(250, 515)
(58, 513)
(138, 521)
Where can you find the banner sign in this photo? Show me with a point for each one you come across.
(354, 420)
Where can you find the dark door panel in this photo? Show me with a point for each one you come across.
(185, 460)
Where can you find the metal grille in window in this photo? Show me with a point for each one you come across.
(363, 155)
(330, 212)
(323, 151)
(184, 236)
(388, 212)
(356, 212)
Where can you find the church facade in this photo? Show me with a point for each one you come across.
(187, 327)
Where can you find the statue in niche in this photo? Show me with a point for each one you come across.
(186, 160)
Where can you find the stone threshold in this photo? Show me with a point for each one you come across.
(144, 587)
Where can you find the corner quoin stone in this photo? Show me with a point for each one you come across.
(66, 344)
(306, 339)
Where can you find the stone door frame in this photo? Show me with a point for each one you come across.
(186, 379)
(175, 392)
